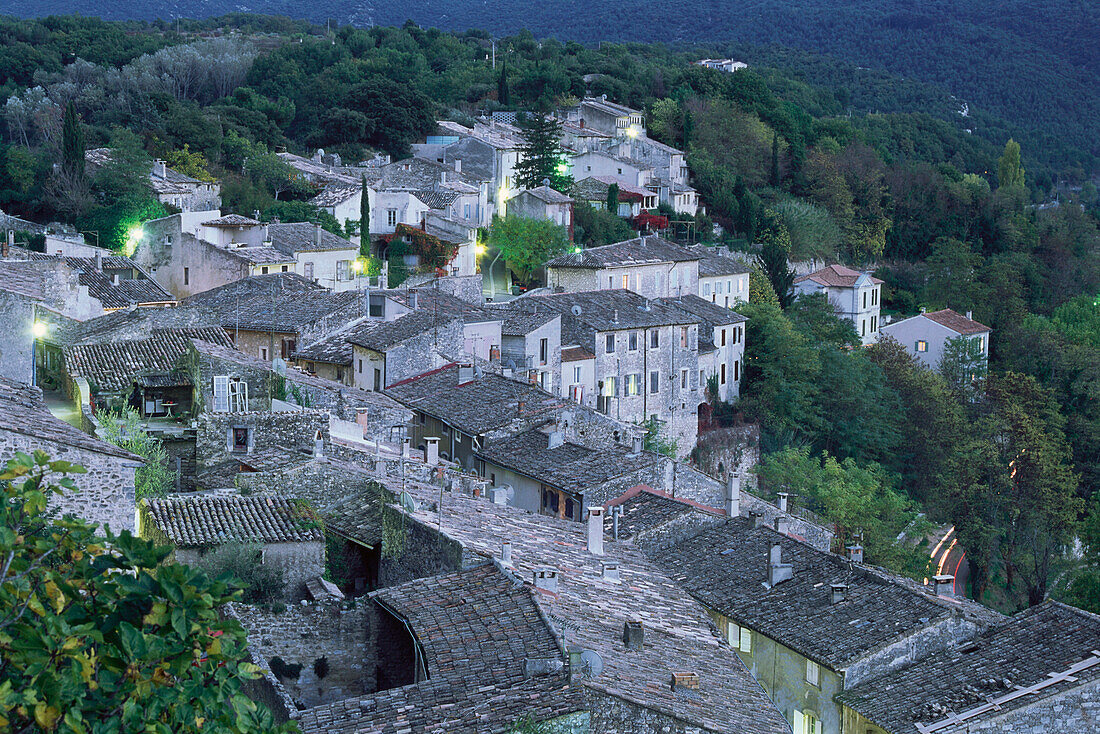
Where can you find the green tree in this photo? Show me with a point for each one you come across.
(189, 163)
(657, 440)
(364, 218)
(124, 429)
(964, 365)
(1010, 171)
(773, 262)
(72, 144)
(594, 227)
(760, 288)
(277, 176)
(541, 155)
(242, 562)
(101, 633)
(613, 199)
(504, 94)
(527, 244)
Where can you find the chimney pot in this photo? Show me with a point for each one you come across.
(733, 496)
(837, 593)
(778, 571)
(609, 570)
(99, 260)
(637, 444)
(546, 579)
(757, 518)
(945, 584)
(431, 452)
(633, 635)
(783, 524)
(616, 513)
(855, 553)
(686, 681)
(969, 314)
(595, 530)
(406, 447)
(506, 553)
(317, 234)
(519, 407)
(500, 495)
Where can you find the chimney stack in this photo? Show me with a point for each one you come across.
(412, 300)
(519, 407)
(616, 513)
(431, 453)
(546, 579)
(637, 444)
(633, 635)
(969, 314)
(318, 445)
(757, 518)
(595, 530)
(98, 259)
(783, 524)
(406, 448)
(945, 584)
(777, 570)
(610, 570)
(458, 165)
(557, 438)
(465, 373)
(783, 501)
(506, 553)
(685, 681)
(115, 279)
(837, 593)
(7, 244)
(855, 553)
(733, 495)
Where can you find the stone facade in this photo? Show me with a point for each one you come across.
(614, 715)
(105, 494)
(411, 357)
(735, 449)
(298, 562)
(290, 433)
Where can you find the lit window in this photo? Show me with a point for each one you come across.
(626, 281)
(391, 217)
(633, 386)
(922, 345)
(609, 387)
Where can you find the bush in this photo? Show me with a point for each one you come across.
(242, 564)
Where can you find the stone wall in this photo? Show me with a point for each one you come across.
(292, 431)
(614, 715)
(1072, 712)
(105, 494)
(303, 634)
(910, 649)
(735, 449)
(16, 340)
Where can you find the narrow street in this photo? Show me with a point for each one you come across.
(950, 558)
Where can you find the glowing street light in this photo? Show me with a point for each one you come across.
(479, 249)
(133, 239)
(39, 329)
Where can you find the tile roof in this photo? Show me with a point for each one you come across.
(986, 679)
(956, 322)
(594, 188)
(336, 194)
(231, 220)
(321, 172)
(382, 335)
(436, 199)
(645, 250)
(645, 508)
(576, 354)
(23, 278)
(282, 302)
(481, 405)
(22, 410)
(522, 323)
(212, 519)
(124, 323)
(725, 568)
(546, 194)
(570, 467)
(419, 174)
(586, 313)
(612, 108)
(712, 263)
(291, 237)
(112, 366)
(443, 304)
(476, 629)
(332, 348)
(836, 276)
(705, 312)
(589, 611)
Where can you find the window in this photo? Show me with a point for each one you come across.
(684, 336)
(263, 353)
(307, 270)
(187, 276)
(654, 339)
(360, 366)
(609, 387)
(240, 439)
(391, 217)
(706, 289)
(723, 337)
(865, 299)
(423, 418)
(739, 638)
(341, 270)
(736, 370)
(377, 379)
(722, 377)
(874, 297)
(922, 345)
(683, 379)
(981, 344)
(610, 345)
(813, 673)
(632, 341)
(221, 393)
(576, 375)
(544, 349)
(626, 281)
(863, 327)
(702, 378)
(286, 268)
(633, 384)
(806, 722)
(654, 383)
(610, 282)
(263, 270)
(466, 211)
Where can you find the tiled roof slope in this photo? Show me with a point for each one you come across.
(442, 303)
(23, 278)
(547, 195)
(295, 237)
(22, 410)
(588, 312)
(706, 312)
(589, 612)
(212, 519)
(725, 568)
(381, 335)
(645, 509)
(638, 251)
(112, 366)
(713, 263)
(476, 628)
(475, 407)
(282, 302)
(1026, 650)
(332, 348)
(837, 276)
(956, 322)
(522, 323)
(100, 281)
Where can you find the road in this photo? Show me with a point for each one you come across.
(950, 558)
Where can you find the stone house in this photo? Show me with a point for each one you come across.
(853, 294)
(531, 347)
(318, 254)
(105, 494)
(721, 343)
(486, 152)
(766, 590)
(723, 279)
(606, 164)
(926, 335)
(233, 442)
(172, 188)
(543, 202)
(1038, 673)
(646, 356)
(289, 536)
(633, 200)
(406, 189)
(343, 201)
(578, 375)
(648, 265)
(114, 280)
(386, 352)
(607, 117)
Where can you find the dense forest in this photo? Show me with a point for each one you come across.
(1031, 64)
(863, 437)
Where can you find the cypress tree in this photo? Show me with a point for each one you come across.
(72, 144)
(364, 221)
(613, 198)
(504, 95)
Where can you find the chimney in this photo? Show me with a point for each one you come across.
(685, 681)
(557, 438)
(431, 453)
(7, 244)
(458, 165)
(969, 314)
(506, 553)
(546, 579)
(615, 316)
(637, 444)
(595, 530)
(406, 448)
(98, 260)
(610, 570)
(161, 168)
(855, 553)
(945, 584)
(783, 501)
(757, 518)
(412, 300)
(115, 279)
(317, 235)
(500, 495)
(783, 524)
(778, 571)
(256, 214)
(733, 496)
(616, 513)
(318, 445)
(633, 635)
(519, 407)
(443, 176)
(465, 373)
(837, 593)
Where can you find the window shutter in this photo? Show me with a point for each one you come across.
(799, 723)
(221, 394)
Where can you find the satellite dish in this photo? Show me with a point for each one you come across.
(408, 504)
(576, 310)
(592, 663)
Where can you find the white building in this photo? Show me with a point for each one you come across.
(926, 334)
(649, 265)
(854, 295)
